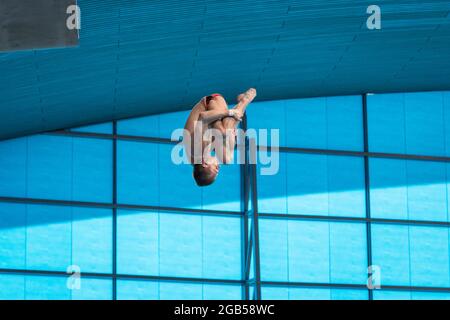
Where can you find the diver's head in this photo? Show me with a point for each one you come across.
(206, 173)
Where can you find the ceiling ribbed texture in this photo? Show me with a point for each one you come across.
(141, 57)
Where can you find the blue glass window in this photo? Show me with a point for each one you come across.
(147, 176)
(410, 295)
(57, 168)
(411, 255)
(13, 224)
(314, 185)
(293, 293)
(152, 290)
(290, 250)
(13, 168)
(179, 245)
(412, 123)
(321, 123)
(406, 189)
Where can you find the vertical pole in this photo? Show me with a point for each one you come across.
(244, 203)
(367, 186)
(255, 230)
(114, 213)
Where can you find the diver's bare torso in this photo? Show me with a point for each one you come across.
(189, 129)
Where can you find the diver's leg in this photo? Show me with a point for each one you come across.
(230, 123)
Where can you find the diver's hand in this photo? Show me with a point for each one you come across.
(236, 114)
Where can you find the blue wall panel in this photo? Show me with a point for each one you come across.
(321, 123)
(293, 293)
(13, 235)
(411, 123)
(411, 255)
(179, 245)
(314, 185)
(49, 240)
(416, 190)
(290, 251)
(13, 167)
(152, 290)
(57, 168)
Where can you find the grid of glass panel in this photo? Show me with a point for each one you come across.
(362, 180)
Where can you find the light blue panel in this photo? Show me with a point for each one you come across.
(346, 186)
(410, 123)
(309, 294)
(344, 123)
(418, 295)
(309, 243)
(307, 184)
(349, 294)
(348, 253)
(181, 245)
(177, 187)
(153, 290)
(92, 170)
(92, 239)
(429, 256)
(13, 168)
(222, 247)
(104, 128)
(325, 123)
(50, 167)
(390, 251)
(274, 293)
(49, 237)
(225, 192)
(306, 123)
(410, 295)
(272, 189)
(424, 123)
(386, 122)
(47, 288)
(268, 115)
(137, 241)
(325, 185)
(415, 190)
(291, 293)
(273, 243)
(427, 190)
(391, 295)
(137, 290)
(12, 235)
(222, 292)
(252, 291)
(143, 126)
(93, 289)
(180, 291)
(12, 287)
(388, 188)
(168, 122)
(137, 172)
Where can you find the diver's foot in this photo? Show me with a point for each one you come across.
(247, 96)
